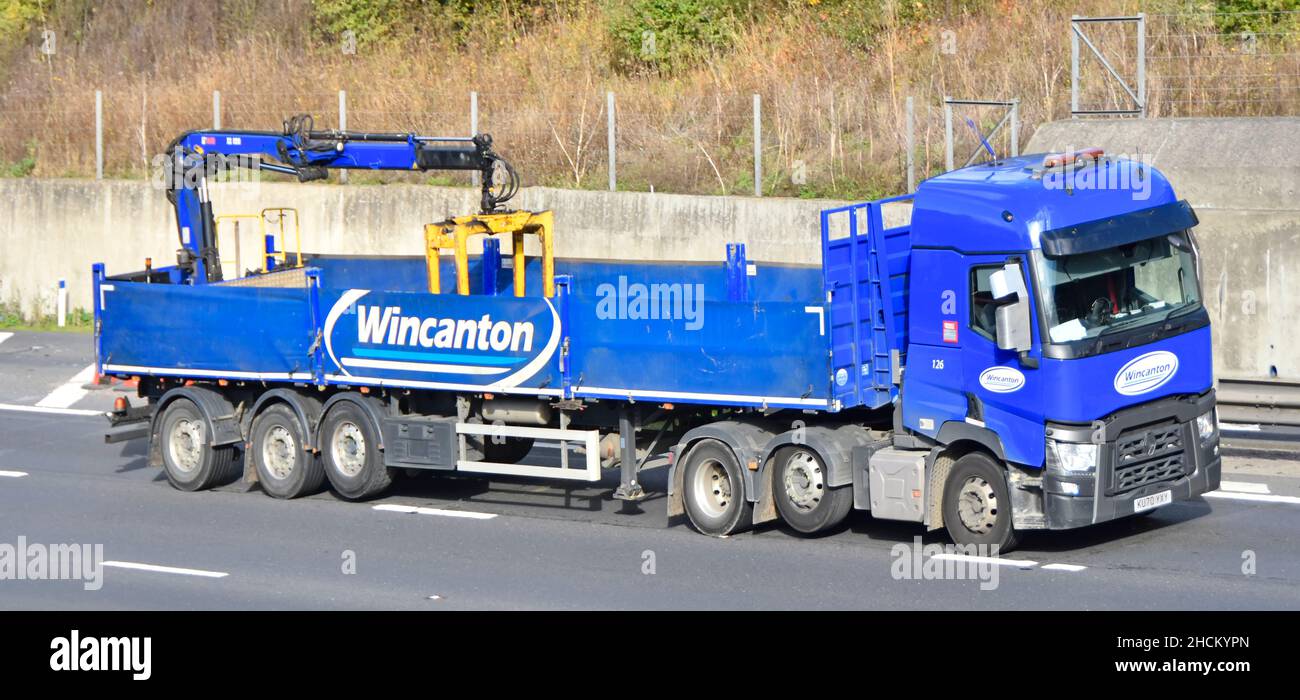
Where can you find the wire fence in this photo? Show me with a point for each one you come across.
(831, 139)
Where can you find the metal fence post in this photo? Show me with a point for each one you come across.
(343, 126)
(1074, 67)
(609, 108)
(758, 146)
(1142, 63)
(1015, 127)
(473, 129)
(910, 126)
(216, 109)
(947, 134)
(99, 135)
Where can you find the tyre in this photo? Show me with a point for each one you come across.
(714, 490)
(803, 499)
(350, 451)
(188, 457)
(509, 452)
(977, 503)
(285, 468)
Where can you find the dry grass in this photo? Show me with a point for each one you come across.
(832, 111)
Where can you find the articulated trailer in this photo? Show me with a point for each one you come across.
(1020, 356)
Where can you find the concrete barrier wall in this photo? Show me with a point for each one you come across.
(1242, 175)
(52, 229)
(1243, 178)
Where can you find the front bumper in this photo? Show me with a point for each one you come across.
(1073, 500)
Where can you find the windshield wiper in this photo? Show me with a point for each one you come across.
(1189, 306)
(1121, 325)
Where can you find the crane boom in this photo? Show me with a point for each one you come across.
(308, 154)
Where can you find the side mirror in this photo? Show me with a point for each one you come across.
(1014, 325)
(1014, 328)
(1007, 282)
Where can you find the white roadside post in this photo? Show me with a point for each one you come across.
(62, 303)
(216, 109)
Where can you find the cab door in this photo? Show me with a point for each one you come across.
(1003, 389)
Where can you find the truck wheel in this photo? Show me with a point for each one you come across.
(191, 462)
(714, 490)
(977, 504)
(285, 469)
(804, 500)
(508, 452)
(350, 447)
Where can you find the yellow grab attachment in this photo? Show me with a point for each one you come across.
(454, 234)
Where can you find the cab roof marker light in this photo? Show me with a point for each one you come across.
(1059, 160)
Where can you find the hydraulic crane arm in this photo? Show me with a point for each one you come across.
(308, 154)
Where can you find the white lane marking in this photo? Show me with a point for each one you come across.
(5, 336)
(1018, 563)
(1240, 427)
(1243, 487)
(12, 474)
(436, 511)
(1257, 497)
(165, 569)
(1062, 567)
(45, 409)
(70, 391)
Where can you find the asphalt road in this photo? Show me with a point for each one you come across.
(510, 544)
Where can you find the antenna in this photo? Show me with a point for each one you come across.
(971, 123)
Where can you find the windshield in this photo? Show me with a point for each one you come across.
(1089, 294)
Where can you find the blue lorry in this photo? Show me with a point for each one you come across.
(1029, 351)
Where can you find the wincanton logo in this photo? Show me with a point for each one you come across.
(1002, 380)
(388, 326)
(462, 337)
(1146, 373)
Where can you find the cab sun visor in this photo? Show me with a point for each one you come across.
(1119, 230)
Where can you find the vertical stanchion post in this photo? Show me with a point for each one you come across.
(947, 135)
(1142, 63)
(758, 146)
(216, 109)
(99, 134)
(473, 129)
(911, 145)
(609, 129)
(343, 126)
(1074, 67)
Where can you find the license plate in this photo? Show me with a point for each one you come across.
(1155, 500)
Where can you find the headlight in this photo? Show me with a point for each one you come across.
(1206, 425)
(1074, 456)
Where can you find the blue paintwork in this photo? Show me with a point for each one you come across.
(789, 336)
(211, 327)
(865, 269)
(964, 209)
(712, 349)
(957, 224)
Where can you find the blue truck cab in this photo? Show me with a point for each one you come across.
(1056, 325)
(1025, 348)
